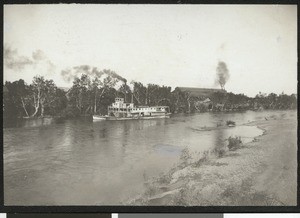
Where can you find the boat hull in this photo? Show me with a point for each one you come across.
(99, 118)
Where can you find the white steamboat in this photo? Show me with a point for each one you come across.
(119, 110)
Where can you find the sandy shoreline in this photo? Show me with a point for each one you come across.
(260, 173)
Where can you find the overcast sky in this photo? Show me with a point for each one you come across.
(174, 45)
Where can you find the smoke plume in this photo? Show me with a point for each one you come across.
(14, 61)
(222, 74)
(38, 55)
(114, 75)
(70, 74)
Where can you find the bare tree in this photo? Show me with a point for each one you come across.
(43, 92)
(101, 85)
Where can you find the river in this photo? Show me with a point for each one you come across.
(81, 162)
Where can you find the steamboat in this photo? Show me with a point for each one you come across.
(119, 110)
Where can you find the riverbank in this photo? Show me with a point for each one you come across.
(39, 121)
(260, 173)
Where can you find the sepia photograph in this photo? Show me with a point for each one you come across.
(149, 105)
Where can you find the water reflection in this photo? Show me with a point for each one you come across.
(166, 149)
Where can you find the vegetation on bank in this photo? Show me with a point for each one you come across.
(170, 188)
(93, 94)
(198, 180)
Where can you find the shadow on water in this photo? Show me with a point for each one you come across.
(39, 121)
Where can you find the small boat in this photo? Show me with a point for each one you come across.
(99, 117)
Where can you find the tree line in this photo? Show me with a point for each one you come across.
(88, 95)
(228, 101)
(92, 95)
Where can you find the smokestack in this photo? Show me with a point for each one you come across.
(125, 91)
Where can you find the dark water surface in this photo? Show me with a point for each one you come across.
(80, 162)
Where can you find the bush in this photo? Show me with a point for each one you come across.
(185, 156)
(234, 143)
(202, 160)
(230, 122)
(219, 151)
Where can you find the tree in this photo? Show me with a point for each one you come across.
(36, 89)
(272, 97)
(18, 93)
(42, 94)
(139, 92)
(107, 83)
(86, 92)
(95, 86)
(48, 95)
(163, 95)
(106, 99)
(79, 95)
(125, 90)
(218, 97)
(58, 105)
(152, 92)
(35, 99)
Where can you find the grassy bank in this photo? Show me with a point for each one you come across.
(260, 173)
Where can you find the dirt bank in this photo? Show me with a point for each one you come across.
(260, 173)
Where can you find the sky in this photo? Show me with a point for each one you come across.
(173, 45)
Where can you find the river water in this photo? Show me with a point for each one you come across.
(81, 162)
